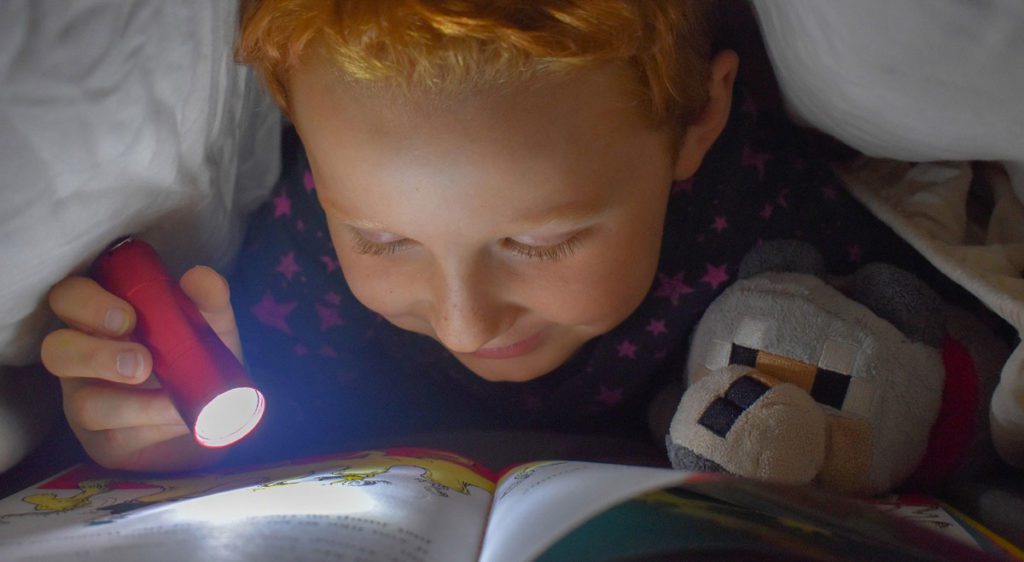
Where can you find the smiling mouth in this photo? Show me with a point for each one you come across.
(521, 347)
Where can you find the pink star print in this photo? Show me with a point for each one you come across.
(781, 199)
(329, 317)
(329, 262)
(307, 181)
(656, 327)
(829, 192)
(854, 253)
(287, 266)
(300, 349)
(332, 298)
(755, 159)
(715, 275)
(720, 224)
(610, 397)
(627, 349)
(282, 206)
(272, 313)
(672, 287)
(766, 212)
(327, 351)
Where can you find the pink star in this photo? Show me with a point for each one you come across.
(854, 253)
(715, 275)
(329, 317)
(329, 262)
(272, 313)
(610, 397)
(627, 349)
(287, 266)
(656, 327)
(532, 402)
(300, 349)
(781, 199)
(755, 159)
(307, 180)
(720, 224)
(300, 226)
(766, 211)
(327, 351)
(282, 206)
(829, 192)
(332, 298)
(672, 287)
(683, 186)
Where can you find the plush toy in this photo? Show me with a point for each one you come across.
(860, 384)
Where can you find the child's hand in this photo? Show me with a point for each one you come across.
(113, 404)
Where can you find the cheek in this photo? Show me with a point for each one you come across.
(601, 289)
(374, 285)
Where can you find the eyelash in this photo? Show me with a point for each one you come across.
(554, 252)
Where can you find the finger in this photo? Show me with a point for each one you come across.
(98, 407)
(210, 291)
(70, 353)
(86, 306)
(149, 448)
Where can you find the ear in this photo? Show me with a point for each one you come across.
(704, 130)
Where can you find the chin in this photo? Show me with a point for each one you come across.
(518, 369)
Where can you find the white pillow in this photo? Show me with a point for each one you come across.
(915, 80)
(118, 117)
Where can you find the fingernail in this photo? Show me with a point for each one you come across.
(128, 364)
(116, 320)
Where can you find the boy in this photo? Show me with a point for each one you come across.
(508, 187)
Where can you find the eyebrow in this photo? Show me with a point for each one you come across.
(569, 213)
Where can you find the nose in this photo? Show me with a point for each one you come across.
(469, 309)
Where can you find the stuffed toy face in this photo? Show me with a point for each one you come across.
(791, 380)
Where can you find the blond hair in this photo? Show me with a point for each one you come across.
(451, 45)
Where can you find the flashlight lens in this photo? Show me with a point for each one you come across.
(229, 417)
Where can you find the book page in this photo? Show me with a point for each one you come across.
(378, 505)
(538, 503)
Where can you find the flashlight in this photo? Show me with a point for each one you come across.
(205, 381)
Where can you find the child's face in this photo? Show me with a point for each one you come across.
(510, 227)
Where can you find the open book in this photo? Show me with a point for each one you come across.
(413, 505)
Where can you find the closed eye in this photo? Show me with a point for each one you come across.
(385, 243)
(551, 252)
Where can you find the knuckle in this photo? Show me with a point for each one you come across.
(82, 409)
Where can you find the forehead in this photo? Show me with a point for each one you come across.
(530, 147)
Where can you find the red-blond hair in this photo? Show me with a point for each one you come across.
(451, 45)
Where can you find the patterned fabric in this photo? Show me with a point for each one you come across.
(335, 372)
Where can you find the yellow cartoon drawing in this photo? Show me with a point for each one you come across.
(53, 502)
(441, 471)
(120, 494)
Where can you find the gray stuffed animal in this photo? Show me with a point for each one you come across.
(859, 384)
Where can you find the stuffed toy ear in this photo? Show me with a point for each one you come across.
(902, 299)
(782, 256)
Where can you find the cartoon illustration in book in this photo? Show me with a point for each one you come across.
(512, 480)
(442, 472)
(96, 498)
(761, 525)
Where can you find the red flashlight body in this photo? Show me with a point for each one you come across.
(189, 359)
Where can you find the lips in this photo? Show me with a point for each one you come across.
(521, 347)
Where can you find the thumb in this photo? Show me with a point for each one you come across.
(209, 290)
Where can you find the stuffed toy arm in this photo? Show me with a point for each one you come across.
(857, 384)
